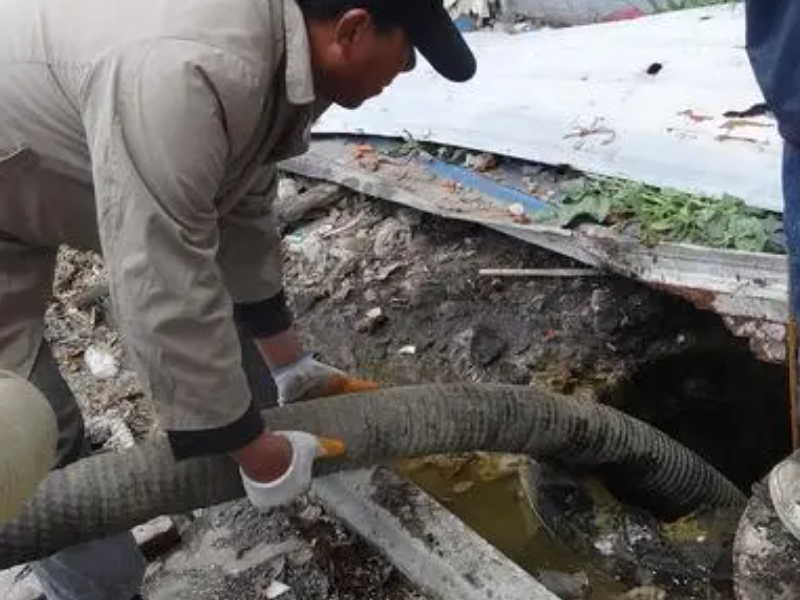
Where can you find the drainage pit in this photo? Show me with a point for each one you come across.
(720, 402)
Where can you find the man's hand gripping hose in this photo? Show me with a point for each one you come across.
(296, 481)
(277, 467)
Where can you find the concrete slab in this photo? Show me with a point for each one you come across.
(426, 542)
(19, 583)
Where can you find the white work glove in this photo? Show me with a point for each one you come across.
(308, 378)
(306, 448)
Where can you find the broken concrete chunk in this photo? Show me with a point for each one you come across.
(19, 583)
(567, 586)
(157, 537)
(301, 557)
(372, 320)
(648, 592)
(375, 314)
(486, 345)
(310, 514)
(110, 433)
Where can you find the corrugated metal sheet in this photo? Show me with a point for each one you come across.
(583, 96)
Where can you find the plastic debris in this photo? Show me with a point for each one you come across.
(276, 589)
(101, 362)
(516, 210)
(287, 189)
(481, 162)
(392, 238)
(463, 486)
(407, 350)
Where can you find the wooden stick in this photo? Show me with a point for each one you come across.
(541, 273)
(293, 209)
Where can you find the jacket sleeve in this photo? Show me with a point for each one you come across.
(156, 126)
(250, 258)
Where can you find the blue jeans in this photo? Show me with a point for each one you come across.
(791, 222)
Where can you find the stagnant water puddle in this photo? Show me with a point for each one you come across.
(722, 403)
(485, 492)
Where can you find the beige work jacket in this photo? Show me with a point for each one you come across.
(149, 130)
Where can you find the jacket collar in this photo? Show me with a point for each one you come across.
(299, 76)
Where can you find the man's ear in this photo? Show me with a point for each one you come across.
(351, 27)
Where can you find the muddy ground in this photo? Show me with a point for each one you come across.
(396, 296)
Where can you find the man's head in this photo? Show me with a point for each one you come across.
(358, 47)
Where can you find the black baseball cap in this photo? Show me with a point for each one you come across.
(437, 38)
(427, 23)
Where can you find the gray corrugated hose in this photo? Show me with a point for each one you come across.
(112, 492)
(28, 438)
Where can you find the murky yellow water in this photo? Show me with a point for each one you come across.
(485, 492)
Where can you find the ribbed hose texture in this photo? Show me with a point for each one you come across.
(113, 492)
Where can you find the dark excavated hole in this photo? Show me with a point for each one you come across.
(719, 401)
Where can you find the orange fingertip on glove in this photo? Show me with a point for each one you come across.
(331, 447)
(338, 385)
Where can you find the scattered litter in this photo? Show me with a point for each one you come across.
(481, 162)
(518, 215)
(344, 228)
(288, 189)
(392, 238)
(465, 23)
(375, 314)
(101, 362)
(492, 467)
(367, 157)
(483, 9)
(314, 253)
(717, 280)
(276, 589)
(516, 210)
(624, 14)
(463, 486)
(655, 68)
(690, 114)
(605, 545)
(294, 207)
(407, 350)
(450, 186)
(541, 273)
(585, 12)
(757, 110)
(310, 514)
(372, 320)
